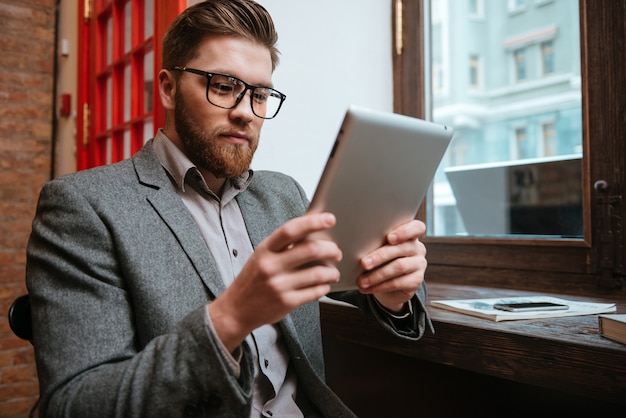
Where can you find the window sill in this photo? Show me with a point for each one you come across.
(564, 354)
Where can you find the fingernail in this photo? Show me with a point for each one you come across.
(367, 261)
(328, 218)
(364, 282)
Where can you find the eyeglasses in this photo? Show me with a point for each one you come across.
(226, 91)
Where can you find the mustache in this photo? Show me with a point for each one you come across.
(238, 132)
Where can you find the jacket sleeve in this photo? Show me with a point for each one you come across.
(410, 328)
(90, 359)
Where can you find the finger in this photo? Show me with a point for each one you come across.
(298, 229)
(301, 286)
(314, 276)
(311, 252)
(393, 270)
(411, 230)
(398, 290)
(387, 253)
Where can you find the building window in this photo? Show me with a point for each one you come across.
(522, 147)
(520, 64)
(549, 142)
(476, 8)
(517, 6)
(474, 71)
(547, 57)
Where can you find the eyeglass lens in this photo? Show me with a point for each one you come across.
(226, 92)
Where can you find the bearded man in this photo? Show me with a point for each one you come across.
(181, 283)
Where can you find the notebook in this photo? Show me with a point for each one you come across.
(378, 172)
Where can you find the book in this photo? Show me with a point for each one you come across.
(613, 327)
(484, 308)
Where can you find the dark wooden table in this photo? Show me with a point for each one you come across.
(564, 359)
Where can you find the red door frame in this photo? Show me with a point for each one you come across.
(91, 149)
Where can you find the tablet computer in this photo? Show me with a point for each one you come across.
(379, 170)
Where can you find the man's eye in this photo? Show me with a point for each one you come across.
(223, 88)
(260, 96)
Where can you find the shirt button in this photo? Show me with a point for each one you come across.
(267, 363)
(235, 252)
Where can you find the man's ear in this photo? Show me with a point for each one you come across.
(167, 89)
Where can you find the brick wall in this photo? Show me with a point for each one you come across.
(26, 82)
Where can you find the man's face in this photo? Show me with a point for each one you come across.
(221, 141)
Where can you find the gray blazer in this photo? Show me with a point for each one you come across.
(119, 276)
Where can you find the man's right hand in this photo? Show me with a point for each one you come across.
(288, 269)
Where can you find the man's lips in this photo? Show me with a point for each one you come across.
(236, 137)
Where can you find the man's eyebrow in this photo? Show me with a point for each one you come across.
(267, 84)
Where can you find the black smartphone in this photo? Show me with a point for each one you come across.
(530, 306)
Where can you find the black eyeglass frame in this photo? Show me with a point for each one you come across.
(250, 87)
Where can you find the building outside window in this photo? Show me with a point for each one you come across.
(517, 119)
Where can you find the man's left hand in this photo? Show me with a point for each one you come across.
(395, 271)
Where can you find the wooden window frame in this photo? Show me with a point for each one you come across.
(591, 265)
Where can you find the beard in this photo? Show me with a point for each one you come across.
(206, 150)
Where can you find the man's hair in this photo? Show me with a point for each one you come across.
(239, 18)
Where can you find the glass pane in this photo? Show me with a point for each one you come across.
(127, 142)
(127, 92)
(148, 74)
(128, 26)
(148, 130)
(148, 27)
(507, 79)
(108, 150)
(109, 103)
(109, 41)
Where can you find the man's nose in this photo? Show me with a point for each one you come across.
(243, 109)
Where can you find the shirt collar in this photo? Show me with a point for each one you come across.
(178, 165)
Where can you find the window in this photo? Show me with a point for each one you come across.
(592, 256)
(519, 56)
(516, 6)
(522, 148)
(119, 51)
(476, 9)
(501, 125)
(548, 139)
(547, 58)
(474, 71)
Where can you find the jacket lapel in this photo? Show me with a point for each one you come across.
(254, 217)
(162, 196)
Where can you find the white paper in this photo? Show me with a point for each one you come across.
(483, 308)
